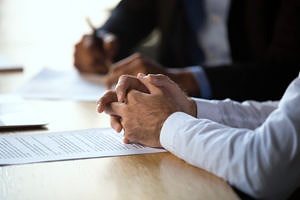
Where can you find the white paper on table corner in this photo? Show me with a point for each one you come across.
(15, 112)
(8, 64)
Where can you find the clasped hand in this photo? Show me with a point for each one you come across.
(140, 105)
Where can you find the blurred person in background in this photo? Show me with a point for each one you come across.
(236, 49)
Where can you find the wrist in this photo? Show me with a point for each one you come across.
(192, 107)
(186, 81)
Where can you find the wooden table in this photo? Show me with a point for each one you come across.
(153, 176)
(43, 33)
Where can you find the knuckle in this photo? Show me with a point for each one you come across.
(123, 77)
(161, 76)
(108, 96)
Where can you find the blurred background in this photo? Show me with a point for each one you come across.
(39, 33)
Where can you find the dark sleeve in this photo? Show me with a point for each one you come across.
(277, 63)
(285, 41)
(251, 81)
(264, 31)
(131, 21)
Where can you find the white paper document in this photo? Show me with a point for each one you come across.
(67, 85)
(7, 64)
(89, 143)
(15, 113)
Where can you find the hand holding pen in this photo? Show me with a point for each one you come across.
(97, 40)
(94, 52)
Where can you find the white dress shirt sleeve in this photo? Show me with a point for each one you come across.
(263, 162)
(248, 114)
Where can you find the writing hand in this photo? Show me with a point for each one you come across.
(94, 54)
(132, 65)
(137, 63)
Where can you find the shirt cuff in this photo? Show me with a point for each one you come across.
(171, 128)
(208, 109)
(201, 80)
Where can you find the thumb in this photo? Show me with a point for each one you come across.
(161, 80)
(147, 82)
(167, 85)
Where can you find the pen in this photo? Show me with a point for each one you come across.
(98, 40)
(88, 20)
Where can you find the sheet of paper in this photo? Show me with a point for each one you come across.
(7, 64)
(68, 85)
(15, 112)
(89, 143)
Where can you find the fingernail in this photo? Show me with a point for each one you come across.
(141, 75)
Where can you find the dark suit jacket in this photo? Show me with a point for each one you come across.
(264, 38)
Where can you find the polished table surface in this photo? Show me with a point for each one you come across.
(152, 176)
(42, 33)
